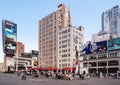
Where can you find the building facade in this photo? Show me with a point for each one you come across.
(98, 62)
(2, 67)
(20, 48)
(69, 38)
(49, 27)
(100, 36)
(26, 60)
(103, 57)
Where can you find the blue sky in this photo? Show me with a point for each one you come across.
(27, 13)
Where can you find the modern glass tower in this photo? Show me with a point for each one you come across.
(111, 21)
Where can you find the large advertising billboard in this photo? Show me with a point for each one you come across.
(114, 44)
(94, 47)
(9, 33)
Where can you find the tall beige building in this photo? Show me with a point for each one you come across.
(49, 27)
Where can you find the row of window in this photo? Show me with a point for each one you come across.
(66, 50)
(110, 55)
(102, 63)
(64, 65)
(64, 60)
(65, 55)
(64, 41)
(64, 32)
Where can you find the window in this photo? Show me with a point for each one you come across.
(59, 65)
(59, 33)
(113, 63)
(68, 50)
(68, 65)
(68, 35)
(59, 60)
(68, 30)
(68, 55)
(84, 64)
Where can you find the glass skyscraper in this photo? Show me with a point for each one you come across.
(111, 21)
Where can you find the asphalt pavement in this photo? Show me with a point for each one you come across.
(13, 79)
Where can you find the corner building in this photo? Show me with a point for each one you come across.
(69, 39)
(49, 27)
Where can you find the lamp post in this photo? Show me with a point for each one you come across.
(16, 62)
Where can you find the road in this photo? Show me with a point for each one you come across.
(13, 79)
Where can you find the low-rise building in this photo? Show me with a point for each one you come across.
(104, 58)
(26, 60)
(97, 62)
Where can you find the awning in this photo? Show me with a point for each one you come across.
(51, 68)
(30, 69)
(67, 68)
(39, 68)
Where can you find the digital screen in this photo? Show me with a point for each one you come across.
(9, 33)
(34, 52)
(114, 44)
(10, 47)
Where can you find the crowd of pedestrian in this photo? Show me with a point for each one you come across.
(50, 74)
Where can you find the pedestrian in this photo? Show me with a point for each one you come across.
(24, 76)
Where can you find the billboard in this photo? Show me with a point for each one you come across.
(34, 52)
(101, 46)
(94, 47)
(10, 47)
(9, 34)
(114, 44)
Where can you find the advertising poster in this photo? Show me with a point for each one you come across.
(94, 47)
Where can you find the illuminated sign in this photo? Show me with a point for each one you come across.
(9, 32)
(114, 44)
(10, 47)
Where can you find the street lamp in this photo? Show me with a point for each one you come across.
(16, 62)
